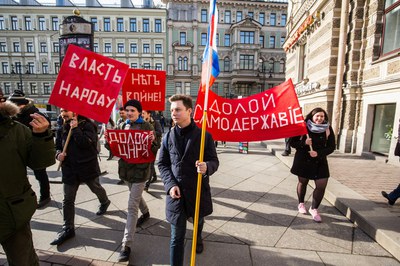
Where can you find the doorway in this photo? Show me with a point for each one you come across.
(382, 128)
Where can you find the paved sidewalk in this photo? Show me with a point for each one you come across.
(255, 220)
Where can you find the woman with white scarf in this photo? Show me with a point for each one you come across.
(310, 162)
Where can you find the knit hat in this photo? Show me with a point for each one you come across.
(134, 103)
(18, 97)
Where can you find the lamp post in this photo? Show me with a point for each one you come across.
(261, 70)
(16, 68)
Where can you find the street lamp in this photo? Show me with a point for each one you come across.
(261, 70)
(17, 69)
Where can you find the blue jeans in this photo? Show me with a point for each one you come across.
(177, 244)
(395, 194)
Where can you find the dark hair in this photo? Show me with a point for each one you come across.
(186, 100)
(121, 109)
(310, 115)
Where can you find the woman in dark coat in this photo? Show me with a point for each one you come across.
(310, 159)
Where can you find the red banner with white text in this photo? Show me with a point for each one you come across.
(133, 146)
(272, 114)
(88, 83)
(146, 86)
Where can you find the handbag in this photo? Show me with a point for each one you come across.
(397, 149)
(23, 207)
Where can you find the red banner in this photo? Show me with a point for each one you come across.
(272, 114)
(133, 146)
(146, 86)
(88, 83)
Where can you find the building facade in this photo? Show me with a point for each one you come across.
(249, 42)
(344, 56)
(29, 41)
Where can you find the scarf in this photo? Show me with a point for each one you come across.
(317, 128)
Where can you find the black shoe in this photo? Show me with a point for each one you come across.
(43, 202)
(386, 195)
(124, 254)
(199, 246)
(143, 218)
(121, 182)
(146, 188)
(154, 179)
(103, 208)
(285, 153)
(63, 236)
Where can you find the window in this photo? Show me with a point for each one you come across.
(121, 48)
(227, 16)
(132, 25)
(28, 23)
(133, 48)
(247, 37)
(250, 14)
(239, 16)
(204, 15)
(185, 63)
(146, 66)
(107, 48)
(54, 23)
(31, 68)
(2, 27)
(146, 25)
(262, 18)
(16, 47)
(282, 41)
(283, 20)
(272, 19)
(262, 41)
(43, 47)
(14, 23)
(3, 47)
(158, 66)
(56, 67)
(271, 65)
(96, 47)
(4, 68)
(282, 66)
(182, 39)
(29, 47)
(178, 87)
(180, 63)
(391, 21)
(120, 24)
(157, 25)
(33, 88)
(158, 49)
(271, 41)
(204, 39)
(106, 23)
(56, 47)
(7, 88)
(134, 65)
(46, 89)
(246, 62)
(187, 88)
(95, 24)
(227, 64)
(42, 23)
(45, 68)
(146, 48)
(217, 39)
(227, 40)
(17, 68)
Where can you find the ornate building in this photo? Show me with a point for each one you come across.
(344, 56)
(29, 40)
(249, 39)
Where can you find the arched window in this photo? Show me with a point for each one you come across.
(271, 65)
(185, 63)
(282, 66)
(180, 63)
(227, 64)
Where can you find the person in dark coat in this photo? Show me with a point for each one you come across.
(179, 166)
(79, 165)
(20, 148)
(27, 108)
(310, 162)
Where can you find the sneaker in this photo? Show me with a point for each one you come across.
(143, 218)
(43, 202)
(124, 254)
(63, 235)
(103, 208)
(302, 208)
(386, 195)
(199, 246)
(315, 215)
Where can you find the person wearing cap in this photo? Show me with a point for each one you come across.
(135, 176)
(27, 108)
(79, 164)
(20, 148)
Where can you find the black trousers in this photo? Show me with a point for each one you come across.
(43, 178)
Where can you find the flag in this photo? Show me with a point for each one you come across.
(210, 67)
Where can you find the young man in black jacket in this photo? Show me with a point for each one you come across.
(179, 166)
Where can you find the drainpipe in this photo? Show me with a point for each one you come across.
(337, 101)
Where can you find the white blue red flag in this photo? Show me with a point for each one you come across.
(210, 68)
